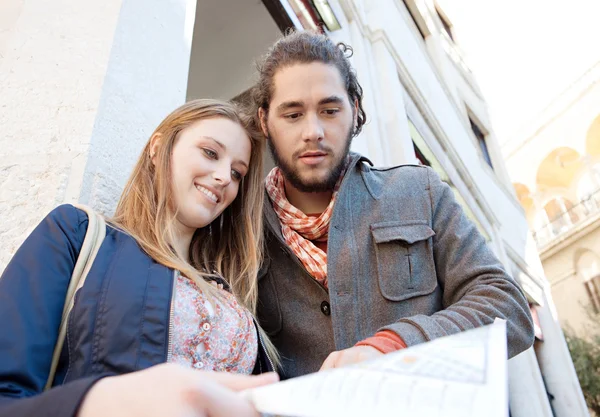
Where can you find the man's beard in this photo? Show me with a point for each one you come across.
(293, 177)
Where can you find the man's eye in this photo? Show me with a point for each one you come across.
(331, 112)
(210, 153)
(292, 116)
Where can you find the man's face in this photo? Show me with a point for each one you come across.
(309, 125)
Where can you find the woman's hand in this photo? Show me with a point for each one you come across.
(174, 391)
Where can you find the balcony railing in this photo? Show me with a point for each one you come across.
(569, 220)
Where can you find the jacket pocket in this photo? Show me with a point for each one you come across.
(405, 265)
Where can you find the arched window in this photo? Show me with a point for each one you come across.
(588, 268)
(586, 186)
(592, 139)
(541, 228)
(559, 169)
(561, 214)
(588, 191)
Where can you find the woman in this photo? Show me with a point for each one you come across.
(189, 216)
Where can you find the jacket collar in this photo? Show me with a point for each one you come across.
(271, 219)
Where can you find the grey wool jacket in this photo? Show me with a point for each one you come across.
(402, 256)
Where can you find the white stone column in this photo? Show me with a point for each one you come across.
(392, 114)
(53, 59)
(500, 250)
(368, 142)
(557, 366)
(549, 234)
(434, 44)
(565, 213)
(146, 78)
(500, 166)
(83, 86)
(526, 391)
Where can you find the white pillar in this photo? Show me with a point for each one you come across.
(565, 213)
(557, 366)
(53, 59)
(146, 78)
(500, 251)
(500, 166)
(392, 114)
(526, 392)
(83, 86)
(368, 142)
(434, 43)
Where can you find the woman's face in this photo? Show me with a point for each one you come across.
(209, 160)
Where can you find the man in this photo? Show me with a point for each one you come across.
(360, 261)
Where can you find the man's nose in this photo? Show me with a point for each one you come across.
(313, 129)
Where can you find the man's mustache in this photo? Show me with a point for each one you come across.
(319, 148)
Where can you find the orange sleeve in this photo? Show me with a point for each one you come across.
(385, 341)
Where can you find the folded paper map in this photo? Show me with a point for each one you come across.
(462, 375)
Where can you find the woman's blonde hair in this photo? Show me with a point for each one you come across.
(231, 246)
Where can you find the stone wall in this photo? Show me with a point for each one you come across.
(82, 87)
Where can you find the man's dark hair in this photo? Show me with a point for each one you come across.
(306, 47)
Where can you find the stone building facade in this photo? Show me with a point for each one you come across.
(83, 85)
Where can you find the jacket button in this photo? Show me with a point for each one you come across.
(325, 308)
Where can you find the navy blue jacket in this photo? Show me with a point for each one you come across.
(119, 323)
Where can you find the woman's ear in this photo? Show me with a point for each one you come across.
(154, 144)
(262, 117)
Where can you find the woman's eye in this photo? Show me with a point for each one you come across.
(210, 153)
(236, 175)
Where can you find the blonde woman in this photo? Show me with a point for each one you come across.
(164, 323)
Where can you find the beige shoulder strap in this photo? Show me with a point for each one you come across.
(91, 244)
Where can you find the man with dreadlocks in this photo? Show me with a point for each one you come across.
(360, 261)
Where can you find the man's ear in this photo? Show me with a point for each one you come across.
(262, 117)
(155, 141)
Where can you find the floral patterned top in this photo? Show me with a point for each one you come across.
(212, 336)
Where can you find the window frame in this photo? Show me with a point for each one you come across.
(592, 287)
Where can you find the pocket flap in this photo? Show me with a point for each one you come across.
(409, 233)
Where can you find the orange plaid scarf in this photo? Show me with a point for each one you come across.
(299, 230)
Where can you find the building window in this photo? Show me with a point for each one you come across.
(280, 14)
(446, 25)
(588, 191)
(482, 142)
(558, 217)
(592, 287)
(327, 16)
(426, 157)
(315, 15)
(588, 268)
(416, 17)
(421, 158)
(561, 214)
